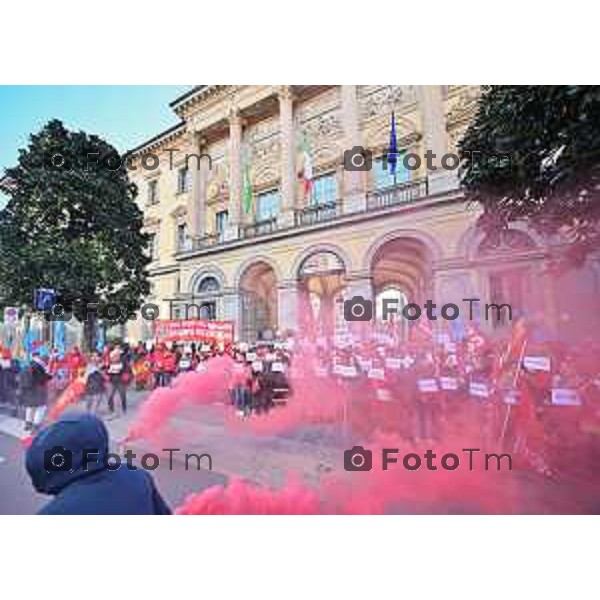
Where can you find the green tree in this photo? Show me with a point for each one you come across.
(72, 226)
(551, 176)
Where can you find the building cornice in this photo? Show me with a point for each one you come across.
(197, 94)
(155, 142)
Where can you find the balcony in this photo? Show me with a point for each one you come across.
(403, 193)
(317, 213)
(206, 241)
(258, 228)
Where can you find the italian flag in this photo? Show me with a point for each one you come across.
(307, 168)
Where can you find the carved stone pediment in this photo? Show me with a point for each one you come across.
(377, 100)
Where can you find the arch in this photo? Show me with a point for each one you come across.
(430, 243)
(306, 253)
(241, 270)
(404, 262)
(207, 271)
(259, 299)
(469, 243)
(209, 285)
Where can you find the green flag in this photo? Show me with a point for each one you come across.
(248, 195)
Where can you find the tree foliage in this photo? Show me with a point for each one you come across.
(550, 176)
(76, 229)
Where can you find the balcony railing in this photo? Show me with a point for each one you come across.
(397, 194)
(403, 193)
(317, 213)
(257, 228)
(206, 241)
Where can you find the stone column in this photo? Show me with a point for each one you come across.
(436, 137)
(288, 157)
(231, 311)
(198, 167)
(354, 181)
(235, 171)
(288, 306)
(360, 283)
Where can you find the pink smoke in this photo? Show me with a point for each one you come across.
(187, 389)
(373, 492)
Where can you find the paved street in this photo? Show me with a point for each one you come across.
(309, 453)
(17, 495)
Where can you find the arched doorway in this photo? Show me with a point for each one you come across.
(258, 295)
(208, 292)
(401, 272)
(321, 282)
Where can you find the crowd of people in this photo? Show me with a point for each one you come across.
(30, 385)
(508, 391)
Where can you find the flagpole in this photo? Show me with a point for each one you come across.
(514, 385)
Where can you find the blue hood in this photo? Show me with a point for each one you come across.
(74, 433)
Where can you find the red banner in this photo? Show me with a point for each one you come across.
(193, 330)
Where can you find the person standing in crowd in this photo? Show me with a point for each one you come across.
(158, 367)
(240, 385)
(34, 390)
(94, 386)
(75, 363)
(88, 489)
(186, 362)
(169, 366)
(5, 370)
(117, 374)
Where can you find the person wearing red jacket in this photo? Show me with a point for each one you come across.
(75, 363)
(157, 362)
(169, 365)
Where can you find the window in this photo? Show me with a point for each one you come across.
(153, 192)
(183, 180)
(181, 236)
(221, 224)
(506, 287)
(383, 176)
(324, 190)
(267, 205)
(208, 311)
(209, 285)
(153, 246)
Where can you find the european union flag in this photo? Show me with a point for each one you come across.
(392, 157)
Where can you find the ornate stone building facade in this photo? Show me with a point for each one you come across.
(240, 237)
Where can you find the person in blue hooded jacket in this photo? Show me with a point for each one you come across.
(82, 487)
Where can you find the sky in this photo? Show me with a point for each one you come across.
(124, 115)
